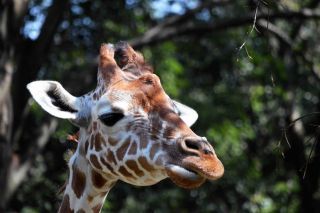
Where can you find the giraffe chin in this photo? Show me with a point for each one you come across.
(183, 177)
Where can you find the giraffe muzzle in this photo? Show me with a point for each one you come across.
(201, 158)
(197, 162)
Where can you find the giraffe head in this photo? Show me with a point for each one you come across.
(130, 129)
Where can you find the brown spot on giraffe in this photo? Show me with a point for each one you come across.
(86, 146)
(112, 141)
(141, 100)
(91, 141)
(95, 162)
(125, 172)
(65, 205)
(95, 96)
(89, 198)
(81, 211)
(133, 148)
(94, 126)
(131, 164)
(78, 181)
(155, 147)
(97, 142)
(110, 157)
(144, 163)
(97, 179)
(104, 162)
(123, 149)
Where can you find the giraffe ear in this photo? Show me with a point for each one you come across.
(187, 114)
(54, 99)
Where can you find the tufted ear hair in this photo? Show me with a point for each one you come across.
(130, 60)
(54, 99)
(187, 114)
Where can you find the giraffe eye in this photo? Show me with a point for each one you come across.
(110, 119)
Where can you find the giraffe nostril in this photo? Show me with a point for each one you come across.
(195, 146)
(207, 152)
(191, 144)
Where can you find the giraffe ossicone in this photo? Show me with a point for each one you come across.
(130, 130)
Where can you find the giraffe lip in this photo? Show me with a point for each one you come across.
(184, 172)
(183, 177)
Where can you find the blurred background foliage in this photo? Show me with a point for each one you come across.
(250, 68)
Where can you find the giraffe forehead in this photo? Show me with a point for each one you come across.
(114, 100)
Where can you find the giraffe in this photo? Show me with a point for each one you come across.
(129, 130)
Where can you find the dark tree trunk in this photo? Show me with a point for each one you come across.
(20, 61)
(11, 17)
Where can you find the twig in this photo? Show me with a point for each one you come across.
(284, 134)
(316, 140)
(302, 117)
(253, 27)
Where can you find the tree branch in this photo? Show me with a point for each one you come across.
(276, 31)
(161, 33)
(190, 13)
(286, 40)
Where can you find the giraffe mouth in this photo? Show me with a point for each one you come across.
(184, 177)
(192, 171)
(189, 174)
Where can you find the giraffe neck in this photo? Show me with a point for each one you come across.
(86, 188)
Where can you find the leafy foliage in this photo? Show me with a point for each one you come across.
(245, 99)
